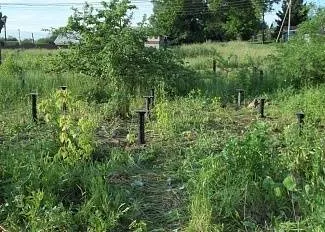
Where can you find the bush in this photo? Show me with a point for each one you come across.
(301, 61)
(73, 123)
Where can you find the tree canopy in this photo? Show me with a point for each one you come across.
(3, 20)
(199, 20)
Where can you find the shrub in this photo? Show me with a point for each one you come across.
(74, 126)
(301, 61)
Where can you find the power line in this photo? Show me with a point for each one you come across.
(61, 4)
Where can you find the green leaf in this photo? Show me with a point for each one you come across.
(278, 192)
(307, 189)
(268, 183)
(289, 183)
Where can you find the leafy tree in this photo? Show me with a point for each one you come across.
(261, 7)
(112, 52)
(3, 20)
(299, 14)
(197, 20)
(164, 15)
(190, 22)
(241, 21)
(183, 20)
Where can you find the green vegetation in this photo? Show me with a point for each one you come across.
(207, 165)
(197, 21)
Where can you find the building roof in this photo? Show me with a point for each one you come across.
(66, 39)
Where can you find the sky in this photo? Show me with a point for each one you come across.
(28, 18)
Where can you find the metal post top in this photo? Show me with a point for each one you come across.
(63, 87)
(300, 114)
(148, 96)
(33, 94)
(142, 111)
(240, 90)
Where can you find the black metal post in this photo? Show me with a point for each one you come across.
(152, 93)
(22, 82)
(214, 65)
(141, 136)
(63, 87)
(240, 97)
(300, 117)
(261, 75)
(254, 72)
(64, 104)
(34, 106)
(262, 105)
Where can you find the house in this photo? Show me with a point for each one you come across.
(64, 40)
(293, 31)
(156, 42)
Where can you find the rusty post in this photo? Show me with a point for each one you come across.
(300, 117)
(141, 135)
(240, 98)
(64, 104)
(262, 105)
(34, 106)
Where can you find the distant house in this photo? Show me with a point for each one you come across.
(156, 42)
(293, 31)
(66, 39)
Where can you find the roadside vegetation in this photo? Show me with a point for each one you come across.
(207, 164)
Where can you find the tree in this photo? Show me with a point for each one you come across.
(3, 20)
(299, 14)
(261, 7)
(112, 52)
(190, 21)
(164, 16)
(241, 20)
(183, 20)
(198, 20)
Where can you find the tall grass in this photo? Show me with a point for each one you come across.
(200, 56)
(205, 167)
(24, 72)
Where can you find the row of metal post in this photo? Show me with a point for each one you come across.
(150, 103)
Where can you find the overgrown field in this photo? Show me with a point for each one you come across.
(207, 165)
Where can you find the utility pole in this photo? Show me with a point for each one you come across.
(5, 27)
(33, 38)
(280, 31)
(289, 19)
(19, 37)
